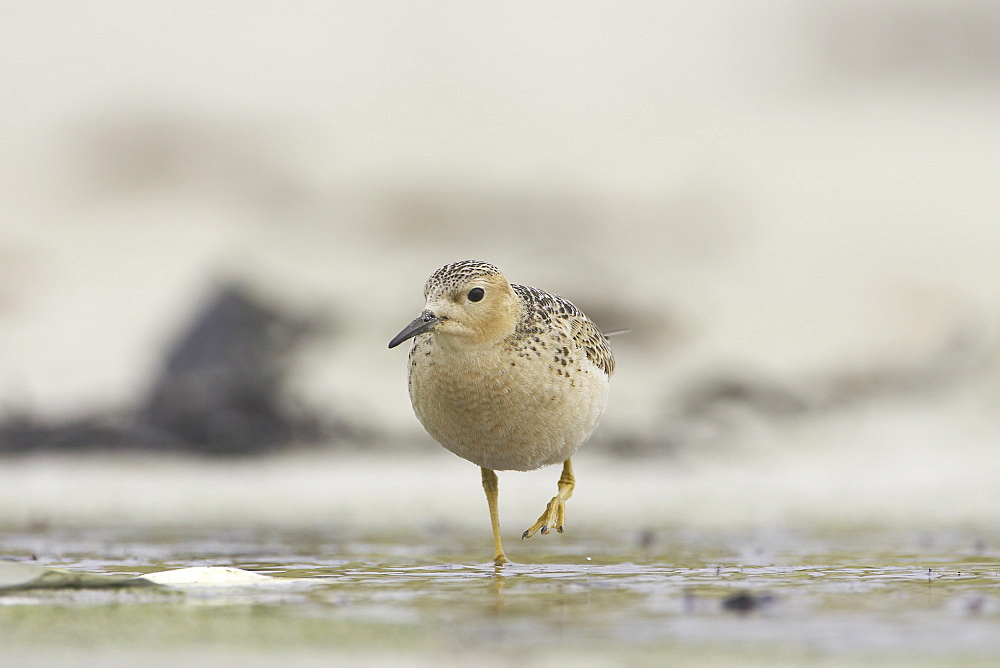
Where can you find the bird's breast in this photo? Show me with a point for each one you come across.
(506, 407)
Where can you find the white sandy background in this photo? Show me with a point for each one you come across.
(794, 191)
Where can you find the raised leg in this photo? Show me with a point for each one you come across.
(555, 513)
(492, 488)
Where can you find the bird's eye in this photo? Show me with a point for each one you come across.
(476, 294)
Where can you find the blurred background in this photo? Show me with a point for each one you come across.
(216, 215)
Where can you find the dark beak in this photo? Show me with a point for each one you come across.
(423, 323)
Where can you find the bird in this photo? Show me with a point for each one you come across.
(508, 377)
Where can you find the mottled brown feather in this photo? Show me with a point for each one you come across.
(544, 311)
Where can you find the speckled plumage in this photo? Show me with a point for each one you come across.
(506, 376)
(455, 275)
(547, 315)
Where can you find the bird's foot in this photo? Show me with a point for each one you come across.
(553, 518)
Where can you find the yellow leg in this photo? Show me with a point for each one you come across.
(555, 513)
(492, 488)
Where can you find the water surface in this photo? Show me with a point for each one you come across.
(428, 596)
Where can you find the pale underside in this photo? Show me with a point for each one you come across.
(510, 407)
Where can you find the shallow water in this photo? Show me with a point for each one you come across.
(426, 596)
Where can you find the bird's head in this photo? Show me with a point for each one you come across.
(468, 303)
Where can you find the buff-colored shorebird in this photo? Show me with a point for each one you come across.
(508, 377)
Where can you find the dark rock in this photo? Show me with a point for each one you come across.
(221, 389)
(745, 602)
(221, 386)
